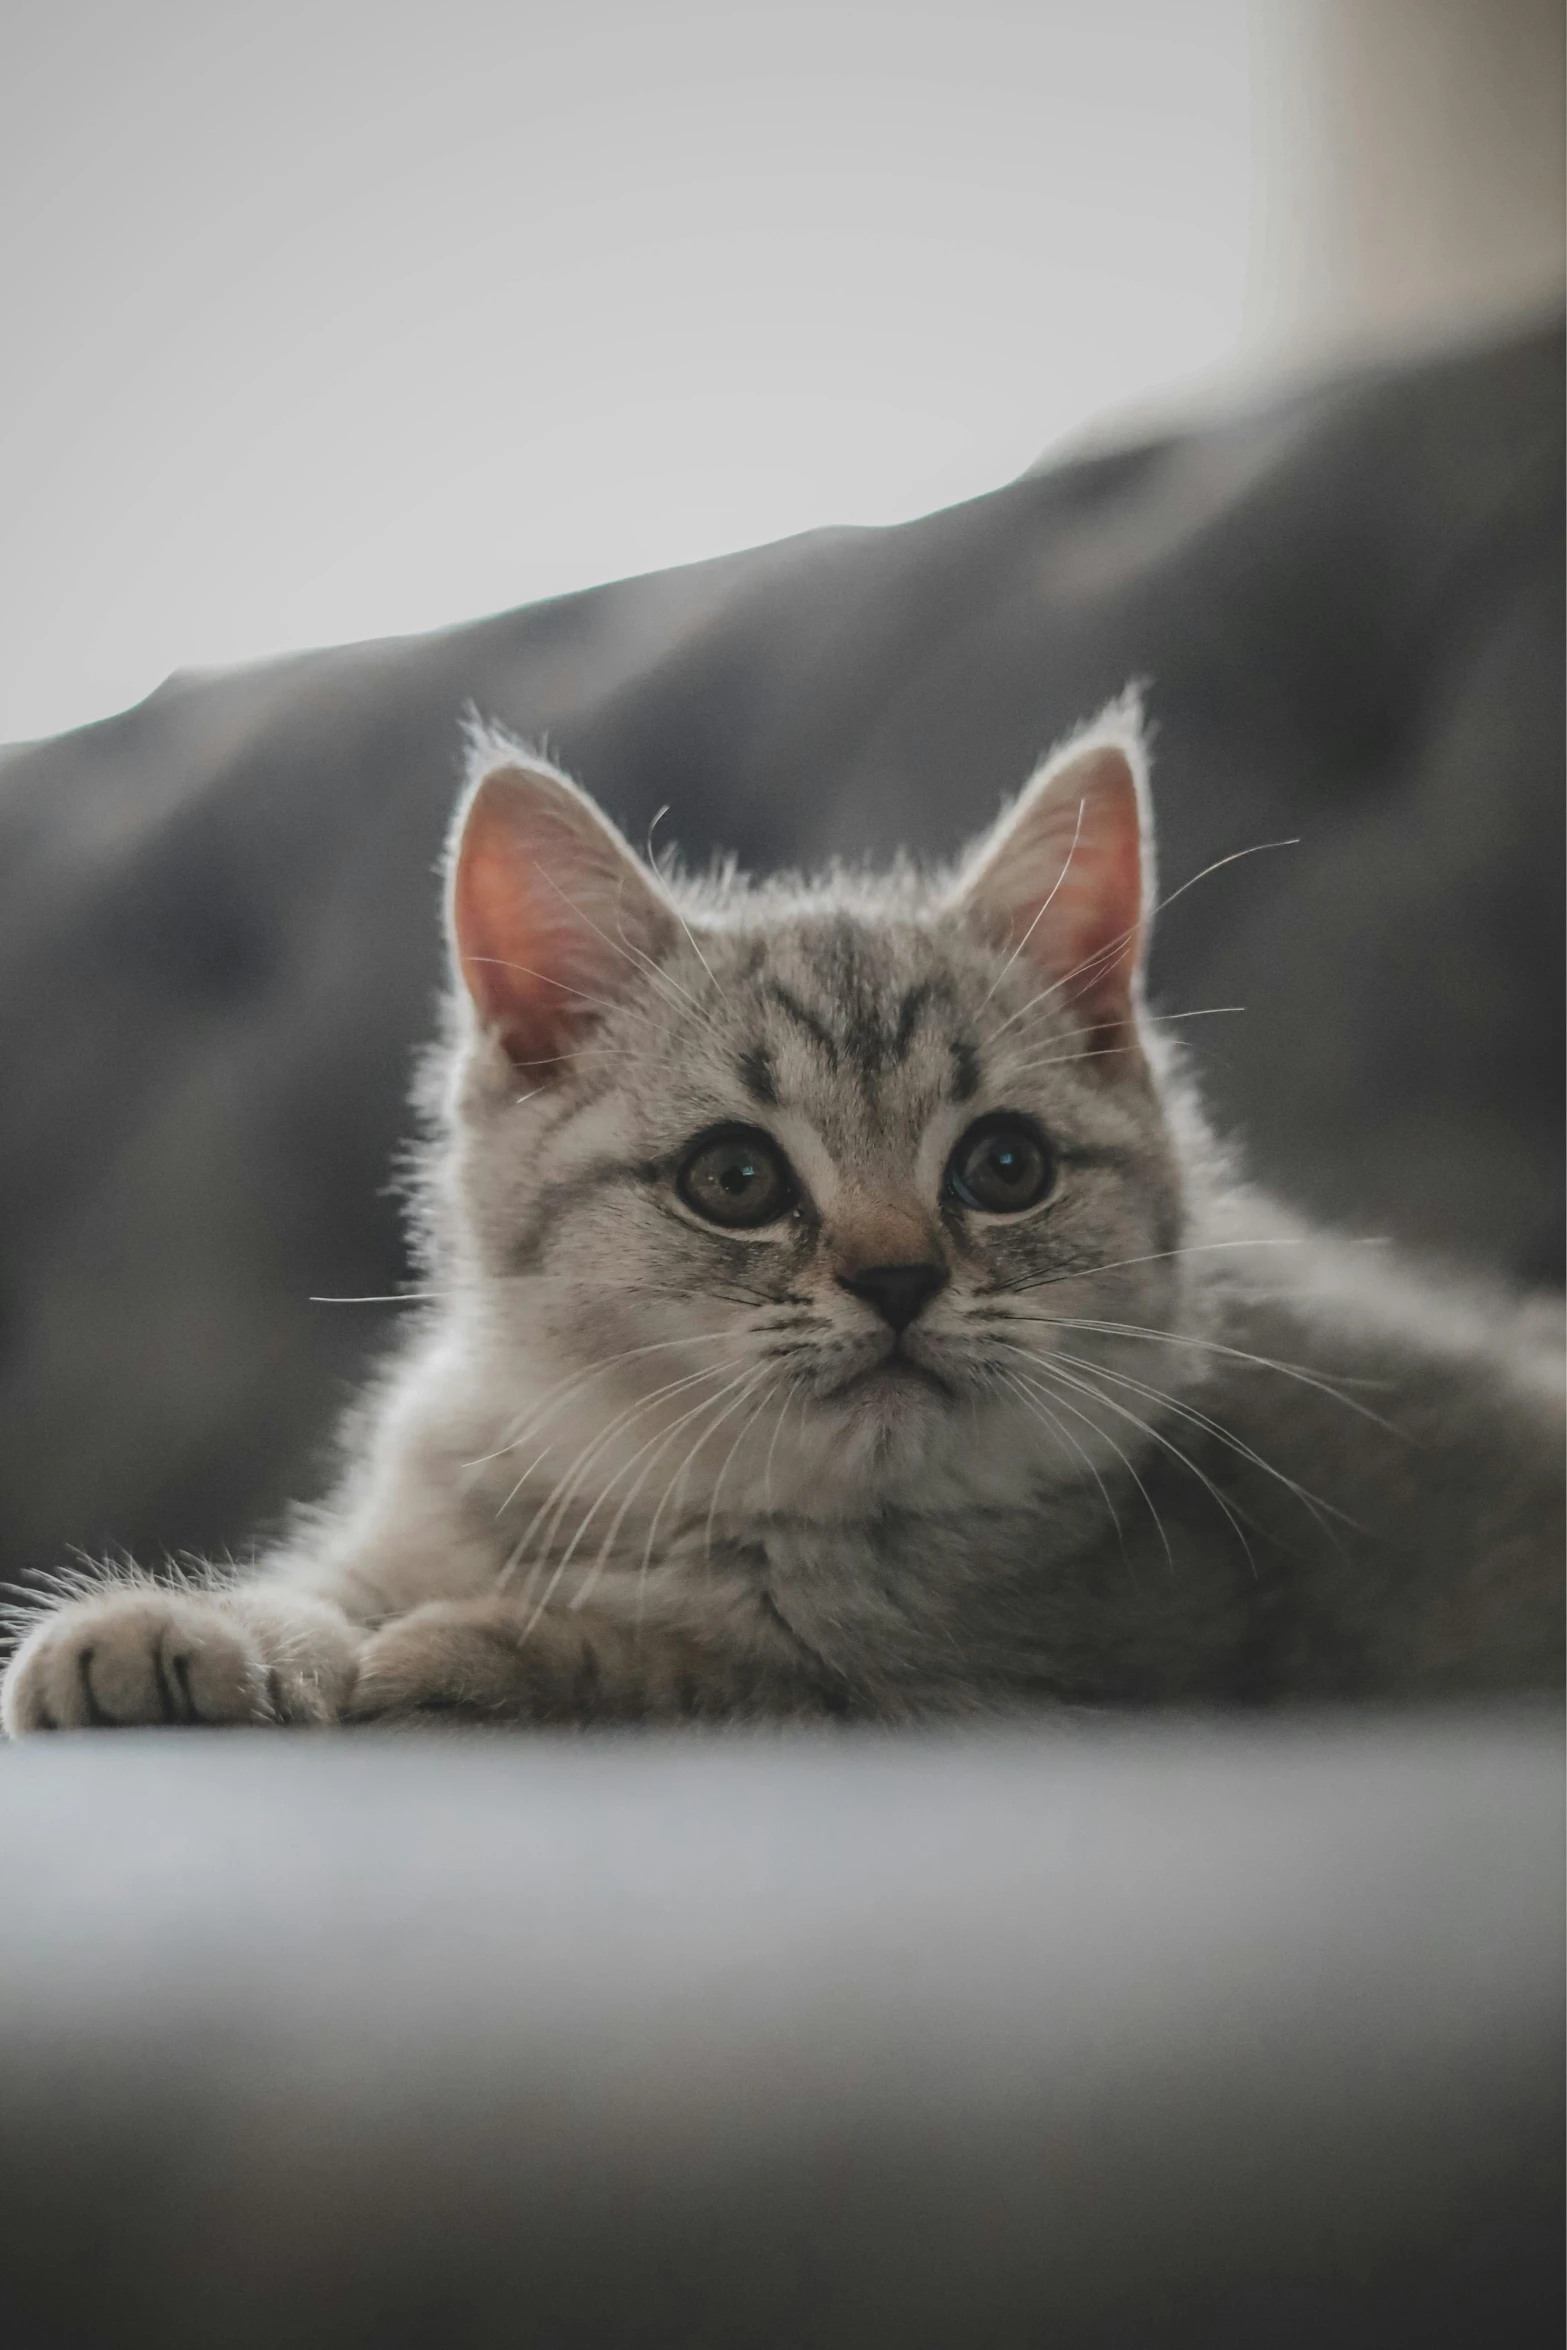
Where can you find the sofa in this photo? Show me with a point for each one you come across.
(1208, 2031)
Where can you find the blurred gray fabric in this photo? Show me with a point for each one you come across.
(1158, 2037)
(218, 939)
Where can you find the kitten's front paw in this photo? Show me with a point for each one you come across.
(475, 1661)
(139, 1657)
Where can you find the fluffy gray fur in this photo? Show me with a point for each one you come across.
(1151, 1441)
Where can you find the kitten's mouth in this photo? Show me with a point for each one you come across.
(893, 1373)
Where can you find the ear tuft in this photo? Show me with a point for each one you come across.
(553, 918)
(1065, 877)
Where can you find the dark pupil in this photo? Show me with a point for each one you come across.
(1002, 1171)
(736, 1182)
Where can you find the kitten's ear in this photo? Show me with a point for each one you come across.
(1065, 878)
(553, 918)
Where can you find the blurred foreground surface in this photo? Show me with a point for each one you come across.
(218, 912)
(1085, 2036)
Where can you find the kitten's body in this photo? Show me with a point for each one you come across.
(1142, 1439)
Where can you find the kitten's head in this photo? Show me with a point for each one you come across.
(796, 1185)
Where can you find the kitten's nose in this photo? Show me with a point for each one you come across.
(898, 1292)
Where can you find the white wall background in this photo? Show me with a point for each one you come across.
(341, 318)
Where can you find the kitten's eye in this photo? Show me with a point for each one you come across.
(1001, 1166)
(737, 1178)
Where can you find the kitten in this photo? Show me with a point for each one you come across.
(839, 1309)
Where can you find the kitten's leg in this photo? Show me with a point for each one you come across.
(486, 1661)
(142, 1654)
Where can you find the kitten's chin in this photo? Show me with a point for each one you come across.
(883, 1422)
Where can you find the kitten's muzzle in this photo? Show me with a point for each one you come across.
(899, 1293)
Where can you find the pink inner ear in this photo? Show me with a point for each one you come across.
(553, 920)
(1065, 883)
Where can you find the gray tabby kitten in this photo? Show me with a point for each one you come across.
(840, 1309)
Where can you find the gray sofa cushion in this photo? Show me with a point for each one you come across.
(1180, 2036)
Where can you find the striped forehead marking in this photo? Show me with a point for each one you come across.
(860, 1036)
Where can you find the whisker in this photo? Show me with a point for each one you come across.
(1209, 1426)
(1037, 1404)
(1104, 957)
(539, 1417)
(1041, 913)
(796, 1388)
(712, 1501)
(696, 950)
(1158, 1256)
(1257, 848)
(1314, 1505)
(534, 1414)
(396, 1297)
(561, 1565)
(1103, 1052)
(1296, 1371)
(623, 1419)
(1098, 1052)
(1318, 1509)
(639, 960)
(546, 1520)
(1106, 1438)
(1050, 1366)
(679, 916)
(670, 1488)
(662, 1445)
(599, 1003)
